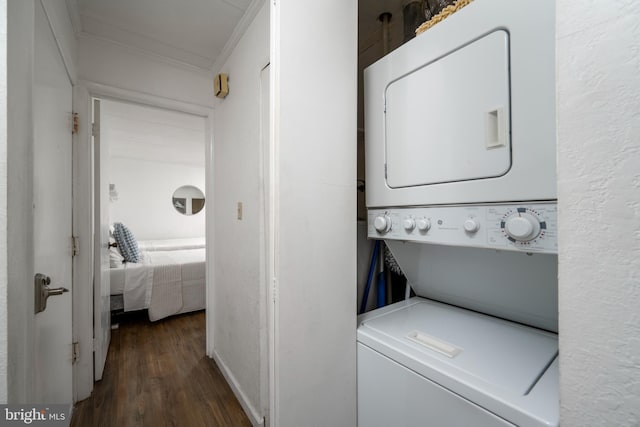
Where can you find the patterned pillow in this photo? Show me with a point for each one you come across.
(126, 243)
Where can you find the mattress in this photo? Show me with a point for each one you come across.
(166, 281)
(117, 280)
(172, 244)
(183, 256)
(193, 298)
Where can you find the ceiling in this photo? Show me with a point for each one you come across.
(196, 33)
(152, 134)
(192, 32)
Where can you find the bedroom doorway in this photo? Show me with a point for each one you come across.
(151, 176)
(150, 162)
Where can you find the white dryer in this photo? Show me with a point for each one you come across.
(465, 113)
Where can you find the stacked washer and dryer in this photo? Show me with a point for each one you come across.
(461, 185)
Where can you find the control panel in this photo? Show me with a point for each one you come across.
(527, 227)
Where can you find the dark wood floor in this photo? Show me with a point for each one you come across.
(157, 374)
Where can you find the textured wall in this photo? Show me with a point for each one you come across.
(237, 250)
(599, 203)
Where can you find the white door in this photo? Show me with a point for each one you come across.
(266, 235)
(52, 117)
(102, 285)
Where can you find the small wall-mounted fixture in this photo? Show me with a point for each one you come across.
(221, 85)
(76, 124)
(113, 193)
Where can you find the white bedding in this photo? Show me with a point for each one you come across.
(166, 282)
(171, 244)
(117, 280)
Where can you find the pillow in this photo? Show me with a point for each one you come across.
(115, 258)
(126, 242)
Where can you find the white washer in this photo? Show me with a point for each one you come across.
(426, 363)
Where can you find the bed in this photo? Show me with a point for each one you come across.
(169, 278)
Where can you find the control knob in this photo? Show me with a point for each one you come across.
(471, 225)
(423, 224)
(409, 224)
(382, 223)
(523, 227)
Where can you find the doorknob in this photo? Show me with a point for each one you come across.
(42, 291)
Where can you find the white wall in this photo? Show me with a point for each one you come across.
(237, 250)
(153, 152)
(3, 202)
(60, 21)
(110, 64)
(599, 211)
(315, 113)
(144, 204)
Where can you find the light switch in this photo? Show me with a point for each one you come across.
(240, 210)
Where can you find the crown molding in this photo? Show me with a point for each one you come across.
(234, 5)
(74, 15)
(146, 53)
(238, 32)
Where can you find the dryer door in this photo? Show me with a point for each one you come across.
(449, 120)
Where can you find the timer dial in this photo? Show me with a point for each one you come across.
(522, 226)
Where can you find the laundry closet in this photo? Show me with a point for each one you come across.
(460, 149)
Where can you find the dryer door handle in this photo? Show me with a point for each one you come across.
(496, 128)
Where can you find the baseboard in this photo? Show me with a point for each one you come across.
(254, 416)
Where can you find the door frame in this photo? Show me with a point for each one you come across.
(83, 192)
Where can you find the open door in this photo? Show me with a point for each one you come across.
(102, 285)
(268, 304)
(52, 216)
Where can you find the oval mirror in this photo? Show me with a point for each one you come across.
(188, 200)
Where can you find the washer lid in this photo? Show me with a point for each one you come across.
(473, 348)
